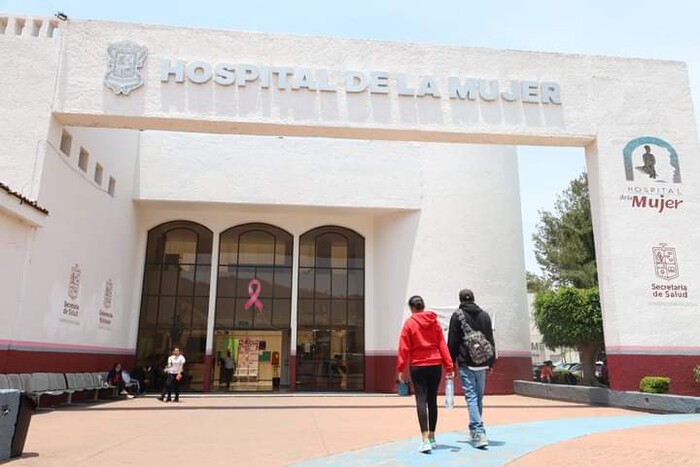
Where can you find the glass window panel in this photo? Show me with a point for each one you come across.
(181, 244)
(282, 310)
(256, 247)
(323, 283)
(186, 280)
(245, 275)
(307, 258)
(184, 313)
(203, 279)
(200, 311)
(225, 308)
(244, 318)
(168, 283)
(356, 312)
(152, 279)
(228, 249)
(226, 286)
(165, 312)
(204, 258)
(283, 250)
(339, 254)
(194, 347)
(339, 283)
(265, 276)
(306, 283)
(305, 312)
(149, 312)
(263, 319)
(339, 309)
(356, 283)
(322, 310)
(283, 283)
(356, 252)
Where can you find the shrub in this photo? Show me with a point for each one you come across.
(696, 374)
(655, 384)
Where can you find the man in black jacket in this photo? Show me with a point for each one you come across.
(473, 376)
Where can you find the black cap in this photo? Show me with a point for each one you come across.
(466, 295)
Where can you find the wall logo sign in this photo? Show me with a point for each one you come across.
(666, 268)
(124, 69)
(105, 315)
(71, 309)
(665, 262)
(653, 172)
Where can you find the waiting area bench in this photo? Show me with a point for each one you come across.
(37, 385)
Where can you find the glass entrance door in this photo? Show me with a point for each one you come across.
(330, 360)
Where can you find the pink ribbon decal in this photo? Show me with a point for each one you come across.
(254, 294)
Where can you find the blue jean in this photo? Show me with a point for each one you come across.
(473, 385)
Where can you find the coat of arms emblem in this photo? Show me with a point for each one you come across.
(124, 69)
(74, 283)
(109, 290)
(665, 262)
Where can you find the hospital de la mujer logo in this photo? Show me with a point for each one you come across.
(665, 262)
(124, 69)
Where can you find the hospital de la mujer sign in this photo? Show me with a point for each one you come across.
(127, 58)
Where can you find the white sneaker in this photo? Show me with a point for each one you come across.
(124, 393)
(433, 443)
(480, 441)
(425, 446)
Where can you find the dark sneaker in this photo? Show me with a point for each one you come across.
(161, 398)
(480, 441)
(176, 400)
(168, 400)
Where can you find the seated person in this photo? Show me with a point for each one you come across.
(114, 377)
(547, 373)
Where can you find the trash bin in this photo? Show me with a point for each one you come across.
(9, 407)
(27, 406)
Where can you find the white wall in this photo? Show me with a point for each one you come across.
(89, 228)
(15, 241)
(28, 83)
(467, 234)
(459, 204)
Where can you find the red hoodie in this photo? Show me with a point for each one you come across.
(422, 343)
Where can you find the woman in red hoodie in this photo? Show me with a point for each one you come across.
(422, 346)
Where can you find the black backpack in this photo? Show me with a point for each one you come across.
(479, 348)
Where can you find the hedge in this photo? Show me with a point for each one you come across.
(655, 384)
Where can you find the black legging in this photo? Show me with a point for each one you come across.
(426, 380)
(171, 385)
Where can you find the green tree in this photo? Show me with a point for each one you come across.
(564, 239)
(571, 317)
(536, 283)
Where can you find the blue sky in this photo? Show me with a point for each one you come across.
(644, 28)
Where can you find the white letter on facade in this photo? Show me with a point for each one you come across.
(514, 93)
(303, 79)
(223, 74)
(246, 74)
(322, 80)
(379, 82)
(531, 92)
(282, 73)
(167, 69)
(490, 94)
(467, 91)
(428, 86)
(355, 81)
(199, 72)
(402, 86)
(551, 93)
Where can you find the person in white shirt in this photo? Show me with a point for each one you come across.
(173, 376)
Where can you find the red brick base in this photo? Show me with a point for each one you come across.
(626, 371)
(25, 361)
(380, 372)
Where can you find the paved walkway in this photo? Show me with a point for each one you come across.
(232, 430)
